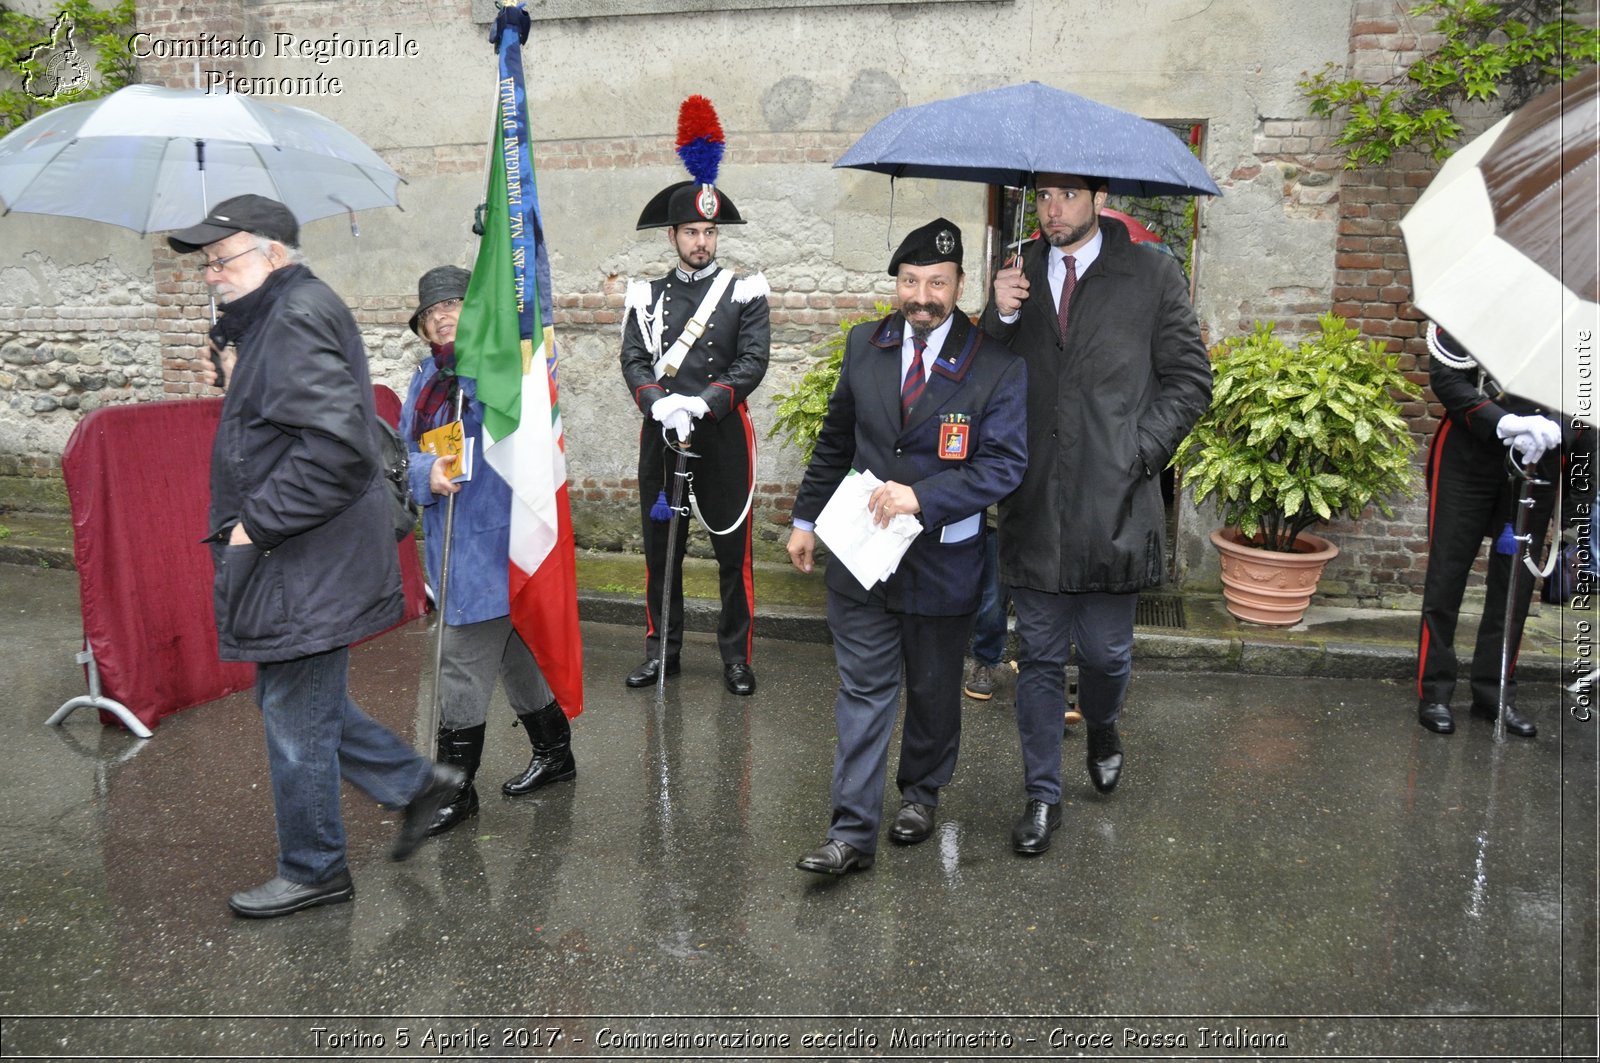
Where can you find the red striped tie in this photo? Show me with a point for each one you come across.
(1069, 281)
(916, 380)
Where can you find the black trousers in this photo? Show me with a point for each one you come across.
(721, 475)
(872, 646)
(1471, 497)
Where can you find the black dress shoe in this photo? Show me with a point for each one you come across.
(739, 679)
(442, 785)
(1436, 718)
(834, 858)
(1105, 757)
(279, 896)
(650, 671)
(912, 824)
(1031, 835)
(1516, 723)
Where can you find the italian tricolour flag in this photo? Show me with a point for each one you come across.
(503, 343)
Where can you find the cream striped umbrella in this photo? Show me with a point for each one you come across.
(1505, 247)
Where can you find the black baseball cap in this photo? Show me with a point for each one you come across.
(241, 214)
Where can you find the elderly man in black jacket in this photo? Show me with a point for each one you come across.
(302, 542)
(1117, 376)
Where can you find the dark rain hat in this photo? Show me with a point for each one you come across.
(241, 214)
(688, 202)
(437, 285)
(937, 241)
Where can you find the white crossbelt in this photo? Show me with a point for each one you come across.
(669, 363)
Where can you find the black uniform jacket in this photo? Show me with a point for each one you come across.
(729, 360)
(1105, 412)
(963, 449)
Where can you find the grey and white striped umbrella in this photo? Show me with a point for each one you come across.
(1505, 247)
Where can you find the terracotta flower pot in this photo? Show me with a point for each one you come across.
(1270, 587)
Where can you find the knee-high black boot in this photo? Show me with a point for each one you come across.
(551, 737)
(462, 748)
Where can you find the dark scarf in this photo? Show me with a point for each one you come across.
(239, 315)
(438, 394)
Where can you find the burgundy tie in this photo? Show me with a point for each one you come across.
(916, 380)
(1069, 281)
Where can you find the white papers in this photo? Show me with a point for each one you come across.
(870, 552)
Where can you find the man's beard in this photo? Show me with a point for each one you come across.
(689, 263)
(936, 311)
(1068, 237)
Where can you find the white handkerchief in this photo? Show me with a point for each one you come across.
(870, 552)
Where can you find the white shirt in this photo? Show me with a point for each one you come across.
(936, 340)
(1056, 269)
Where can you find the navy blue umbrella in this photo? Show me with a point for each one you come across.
(1004, 136)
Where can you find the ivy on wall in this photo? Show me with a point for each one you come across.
(1504, 52)
(79, 53)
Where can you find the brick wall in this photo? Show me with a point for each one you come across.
(1381, 558)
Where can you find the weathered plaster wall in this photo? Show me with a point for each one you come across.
(794, 85)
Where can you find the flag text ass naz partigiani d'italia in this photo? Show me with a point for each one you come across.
(503, 343)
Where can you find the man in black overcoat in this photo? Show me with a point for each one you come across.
(1117, 377)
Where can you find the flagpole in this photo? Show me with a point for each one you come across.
(444, 587)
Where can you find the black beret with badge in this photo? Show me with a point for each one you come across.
(938, 241)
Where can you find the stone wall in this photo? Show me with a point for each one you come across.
(794, 84)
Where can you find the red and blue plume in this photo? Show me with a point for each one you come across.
(700, 142)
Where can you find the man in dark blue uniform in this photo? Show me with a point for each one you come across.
(694, 346)
(936, 410)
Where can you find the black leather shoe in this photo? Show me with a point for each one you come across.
(835, 858)
(739, 679)
(912, 824)
(647, 673)
(1105, 757)
(1516, 723)
(279, 896)
(1436, 718)
(442, 785)
(1031, 835)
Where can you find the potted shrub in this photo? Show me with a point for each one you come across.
(1295, 437)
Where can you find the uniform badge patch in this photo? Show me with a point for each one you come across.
(954, 434)
(706, 202)
(945, 242)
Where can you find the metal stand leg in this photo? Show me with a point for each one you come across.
(95, 700)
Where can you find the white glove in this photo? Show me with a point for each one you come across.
(696, 406)
(678, 420)
(1543, 428)
(665, 407)
(1531, 436)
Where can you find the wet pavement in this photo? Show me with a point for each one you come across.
(1291, 868)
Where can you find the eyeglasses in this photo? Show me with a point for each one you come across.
(216, 265)
(443, 306)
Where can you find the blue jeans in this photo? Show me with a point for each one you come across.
(989, 628)
(315, 734)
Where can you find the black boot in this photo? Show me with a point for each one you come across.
(463, 749)
(551, 737)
